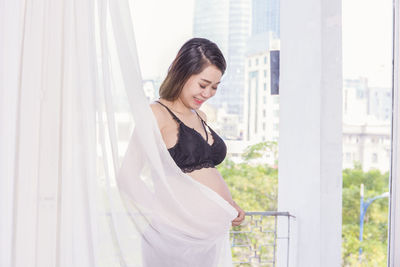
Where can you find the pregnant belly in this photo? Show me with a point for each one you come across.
(212, 178)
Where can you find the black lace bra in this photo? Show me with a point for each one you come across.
(191, 152)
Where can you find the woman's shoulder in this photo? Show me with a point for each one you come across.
(155, 107)
(159, 113)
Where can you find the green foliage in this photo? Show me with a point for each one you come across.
(374, 242)
(254, 187)
(259, 150)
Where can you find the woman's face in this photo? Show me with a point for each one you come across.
(200, 87)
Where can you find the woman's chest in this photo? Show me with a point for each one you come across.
(178, 133)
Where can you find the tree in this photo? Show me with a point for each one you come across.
(376, 219)
(254, 188)
(254, 185)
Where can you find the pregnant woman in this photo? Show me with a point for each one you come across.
(192, 79)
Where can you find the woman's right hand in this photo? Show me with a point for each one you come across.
(241, 214)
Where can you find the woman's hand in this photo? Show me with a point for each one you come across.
(239, 219)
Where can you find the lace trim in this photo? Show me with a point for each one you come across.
(198, 167)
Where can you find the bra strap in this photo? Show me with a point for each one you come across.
(202, 123)
(173, 115)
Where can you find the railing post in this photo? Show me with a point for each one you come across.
(257, 223)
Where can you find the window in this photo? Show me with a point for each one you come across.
(374, 157)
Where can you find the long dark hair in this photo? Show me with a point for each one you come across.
(193, 57)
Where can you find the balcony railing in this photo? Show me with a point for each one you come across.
(254, 242)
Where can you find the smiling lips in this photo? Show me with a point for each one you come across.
(198, 101)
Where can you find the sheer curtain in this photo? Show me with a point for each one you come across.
(74, 189)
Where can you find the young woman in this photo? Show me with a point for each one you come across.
(192, 79)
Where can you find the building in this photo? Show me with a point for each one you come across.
(265, 17)
(261, 108)
(366, 125)
(227, 23)
(362, 102)
(380, 103)
(367, 144)
(151, 88)
(211, 21)
(227, 125)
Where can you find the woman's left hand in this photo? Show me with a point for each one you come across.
(239, 219)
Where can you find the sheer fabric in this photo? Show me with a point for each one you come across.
(85, 178)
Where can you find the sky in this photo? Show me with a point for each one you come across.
(161, 28)
(367, 40)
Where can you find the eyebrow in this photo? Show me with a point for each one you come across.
(209, 81)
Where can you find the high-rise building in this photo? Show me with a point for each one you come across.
(261, 105)
(380, 103)
(211, 21)
(261, 108)
(366, 125)
(227, 23)
(355, 100)
(265, 17)
(362, 102)
(239, 32)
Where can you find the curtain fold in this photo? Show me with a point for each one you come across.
(85, 178)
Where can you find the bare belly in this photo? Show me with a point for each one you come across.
(212, 178)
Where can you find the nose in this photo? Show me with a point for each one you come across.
(207, 92)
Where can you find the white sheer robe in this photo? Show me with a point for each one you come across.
(73, 190)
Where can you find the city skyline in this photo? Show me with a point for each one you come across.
(174, 26)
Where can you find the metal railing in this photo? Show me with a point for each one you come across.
(254, 242)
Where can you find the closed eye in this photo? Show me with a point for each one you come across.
(204, 86)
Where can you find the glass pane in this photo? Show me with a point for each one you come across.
(367, 98)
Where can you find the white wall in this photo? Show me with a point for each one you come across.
(310, 143)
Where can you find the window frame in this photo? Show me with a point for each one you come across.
(394, 183)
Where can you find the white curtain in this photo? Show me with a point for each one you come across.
(85, 178)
